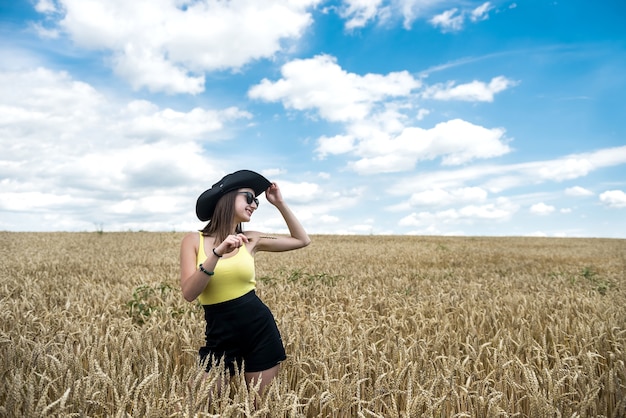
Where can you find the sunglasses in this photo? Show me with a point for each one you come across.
(250, 198)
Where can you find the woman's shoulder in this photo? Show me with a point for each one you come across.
(191, 238)
(192, 234)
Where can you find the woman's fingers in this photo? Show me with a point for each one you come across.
(236, 241)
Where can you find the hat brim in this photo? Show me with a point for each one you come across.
(205, 206)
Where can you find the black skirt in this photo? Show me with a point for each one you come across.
(243, 334)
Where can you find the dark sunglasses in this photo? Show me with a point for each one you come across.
(250, 198)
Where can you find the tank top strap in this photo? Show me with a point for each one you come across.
(201, 253)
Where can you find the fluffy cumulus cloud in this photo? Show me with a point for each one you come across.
(167, 45)
(338, 144)
(614, 198)
(455, 141)
(542, 209)
(378, 114)
(66, 145)
(476, 91)
(320, 84)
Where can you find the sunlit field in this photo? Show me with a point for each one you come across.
(94, 324)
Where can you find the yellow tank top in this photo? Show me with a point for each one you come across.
(234, 276)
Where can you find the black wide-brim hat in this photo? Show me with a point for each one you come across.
(233, 181)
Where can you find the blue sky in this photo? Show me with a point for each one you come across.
(433, 117)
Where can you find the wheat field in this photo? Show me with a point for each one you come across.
(94, 324)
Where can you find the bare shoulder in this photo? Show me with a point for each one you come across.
(191, 240)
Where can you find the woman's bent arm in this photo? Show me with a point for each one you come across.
(192, 280)
(298, 237)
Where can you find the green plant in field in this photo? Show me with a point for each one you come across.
(600, 284)
(146, 300)
(99, 228)
(588, 273)
(299, 276)
(265, 279)
(303, 277)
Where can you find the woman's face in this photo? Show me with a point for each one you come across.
(245, 204)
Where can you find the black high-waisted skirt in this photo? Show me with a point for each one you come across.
(241, 332)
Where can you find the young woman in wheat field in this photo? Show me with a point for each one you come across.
(217, 267)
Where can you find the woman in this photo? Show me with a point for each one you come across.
(217, 267)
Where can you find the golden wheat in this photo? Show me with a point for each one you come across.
(93, 324)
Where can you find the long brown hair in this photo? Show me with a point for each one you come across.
(219, 227)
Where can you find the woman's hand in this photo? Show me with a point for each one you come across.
(231, 243)
(297, 238)
(273, 194)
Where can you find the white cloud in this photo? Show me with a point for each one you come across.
(45, 6)
(144, 205)
(33, 201)
(614, 198)
(578, 191)
(146, 120)
(453, 20)
(166, 45)
(500, 210)
(299, 192)
(542, 209)
(320, 84)
(145, 68)
(338, 144)
(362, 228)
(67, 146)
(359, 12)
(566, 169)
(273, 172)
(481, 12)
(449, 21)
(476, 91)
(444, 197)
(375, 110)
(497, 178)
(455, 141)
(422, 113)
(490, 211)
(328, 219)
